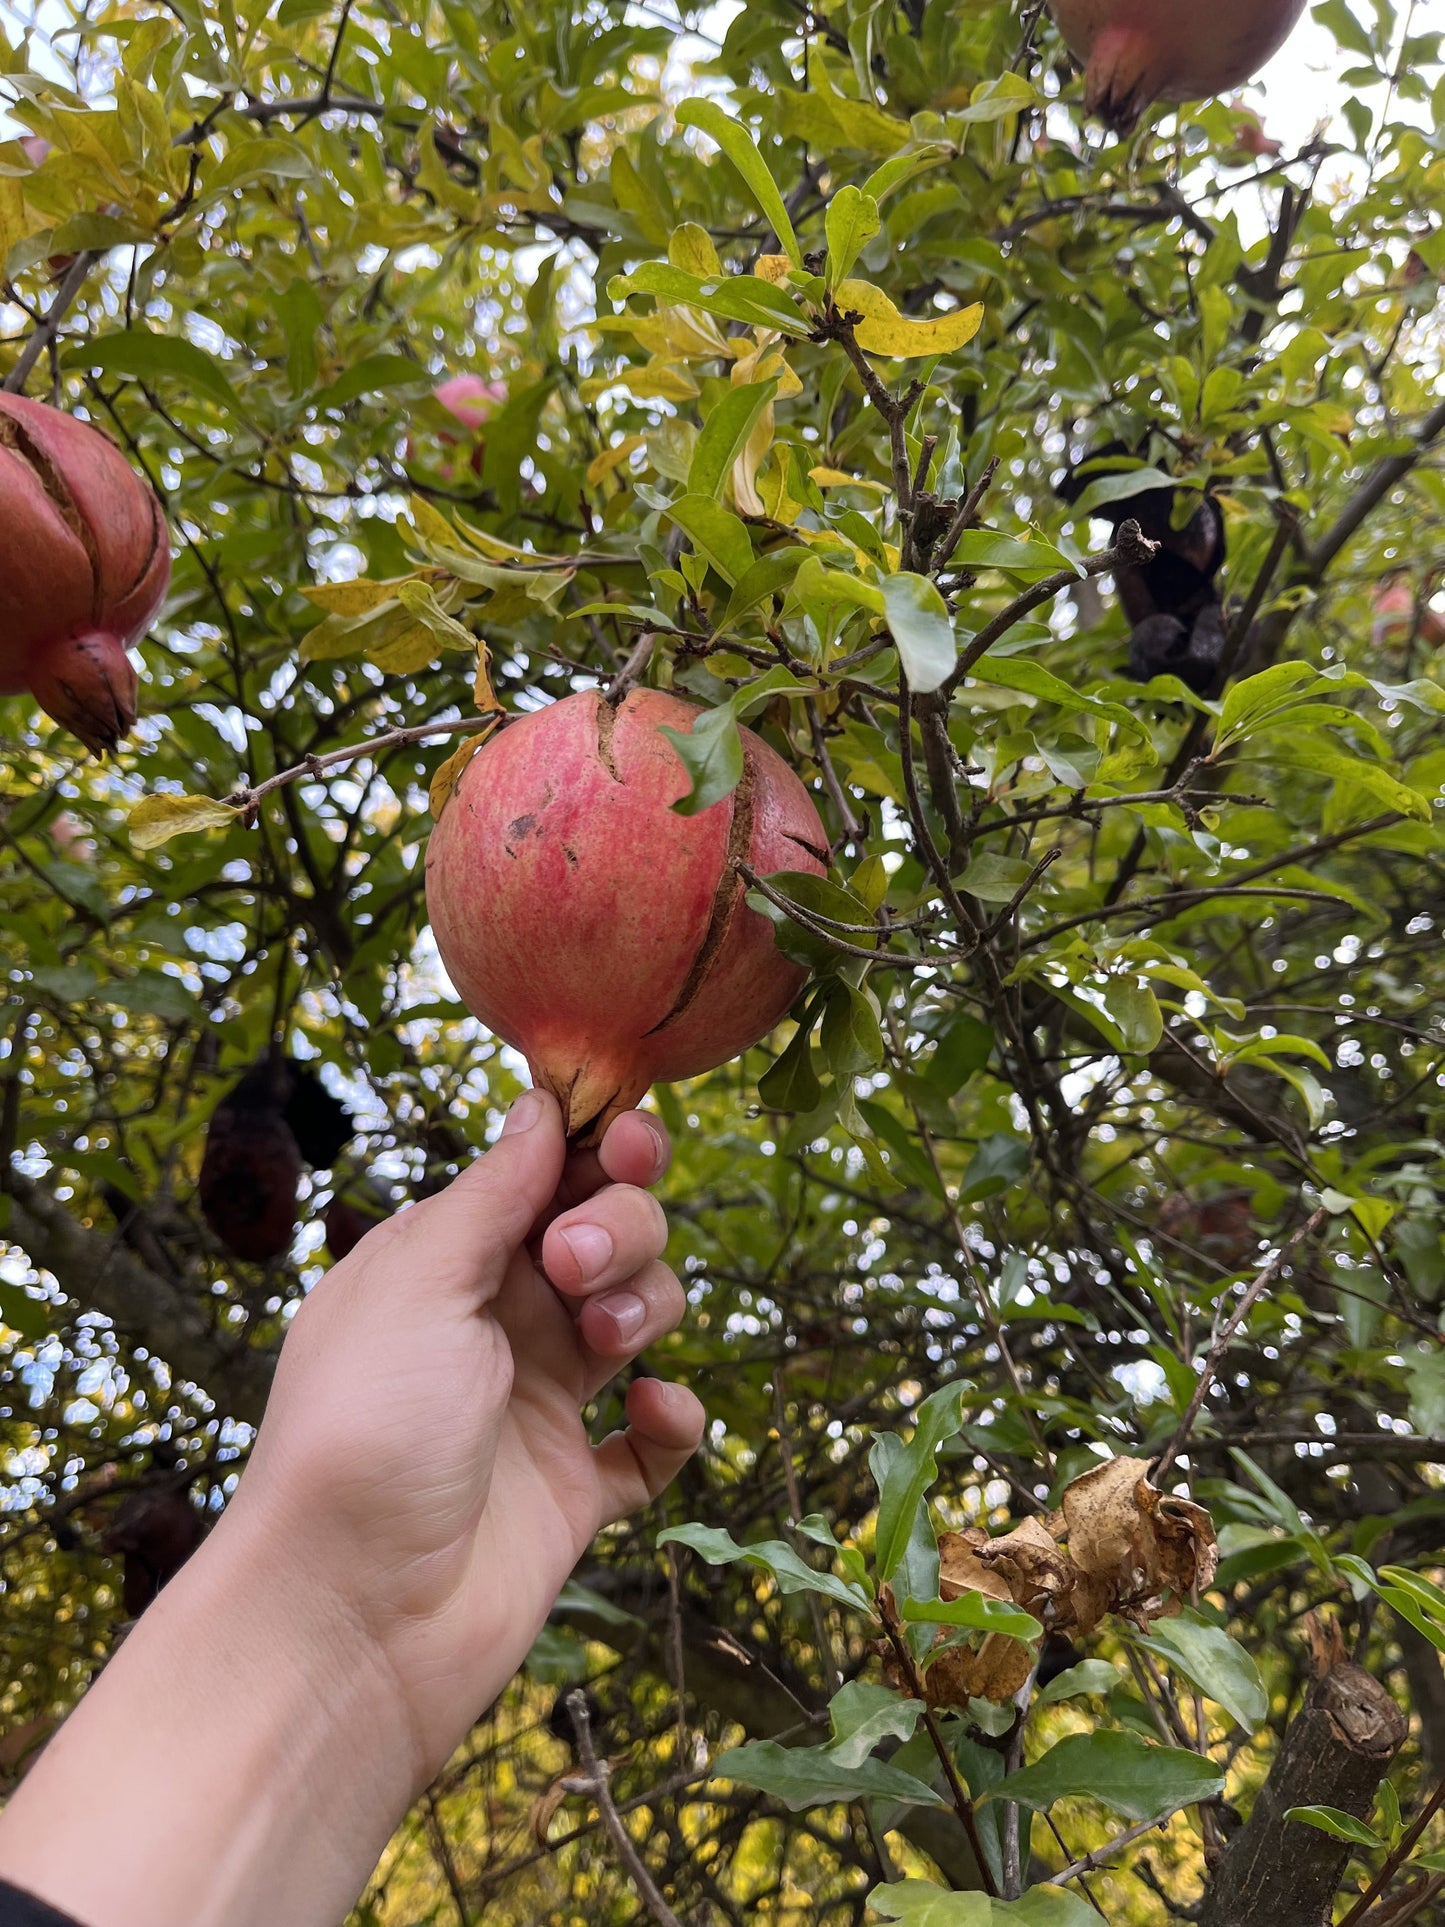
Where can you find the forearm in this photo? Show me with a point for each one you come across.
(241, 1762)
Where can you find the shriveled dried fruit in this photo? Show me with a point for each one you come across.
(87, 564)
(589, 925)
(1117, 1544)
(1138, 51)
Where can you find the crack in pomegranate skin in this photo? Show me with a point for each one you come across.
(606, 730)
(93, 563)
(725, 902)
(588, 924)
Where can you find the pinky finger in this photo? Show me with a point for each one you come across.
(664, 1429)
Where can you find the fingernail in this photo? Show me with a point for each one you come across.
(659, 1147)
(526, 1112)
(626, 1310)
(591, 1249)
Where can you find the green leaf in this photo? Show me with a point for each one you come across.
(371, 375)
(724, 436)
(30, 1317)
(155, 357)
(861, 1715)
(851, 222)
(1209, 1659)
(712, 754)
(995, 879)
(918, 1903)
(718, 536)
(153, 993)
(1333, 1820)
(981, 549)
(1425, 1372)
(1000, 1160)
(916, 1574)
(1089, 1676)
(1121, 1771)
(975, 1610)
(803, 1777)
(772, 1556)
(733, 297)
(824, 899)
(919, 623)
(790, 1083)
(911, 1474)
(736, 142)
(851, 1038)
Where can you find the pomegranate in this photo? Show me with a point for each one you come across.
(87, 566)
(592, 927)
(1401, 614)
(1137, 51)
(470, 399)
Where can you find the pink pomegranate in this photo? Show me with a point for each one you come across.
(1137, 51)
(470, 399)
(87, 563)
(592, 927)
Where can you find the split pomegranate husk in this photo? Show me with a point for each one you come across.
(589, 925)
(87, 564)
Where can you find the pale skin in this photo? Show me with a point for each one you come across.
(420, 1489)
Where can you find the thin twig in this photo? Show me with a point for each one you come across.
(247, 799)
(1087, 1863)
(75, 278)
(1131, 547)
(1398, 1854)
(966, 517)
(963, 1805)
(1215, 1356)
(634, 669)
(597, 1779)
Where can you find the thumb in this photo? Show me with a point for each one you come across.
(465, 1237)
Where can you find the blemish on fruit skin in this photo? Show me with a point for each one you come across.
(521, 826)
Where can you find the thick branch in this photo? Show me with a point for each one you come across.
(1280, 1873)
(99, 1274)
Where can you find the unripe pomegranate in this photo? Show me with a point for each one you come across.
(87, 563)
(592, 927)
(1136, 51)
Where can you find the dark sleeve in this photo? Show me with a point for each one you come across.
(23, 1910)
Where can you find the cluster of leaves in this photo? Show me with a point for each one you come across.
(1117, 990)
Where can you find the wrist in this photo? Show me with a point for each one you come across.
(298, 1756)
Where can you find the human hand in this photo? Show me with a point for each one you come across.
(420, 1488)
(424, 1441)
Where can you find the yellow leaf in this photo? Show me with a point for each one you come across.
(691, 248)
(355, 598)
(483, 693)
(432, 526)
(449, 774)
(836, 478)
(156, 819)
(884, 331)
(611, 458)
(655, 382)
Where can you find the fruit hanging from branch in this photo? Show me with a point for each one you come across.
(276, 1118)
(1138, 51)
(87, 564)
(589, 924)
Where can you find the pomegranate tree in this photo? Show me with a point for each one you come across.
(591, 926)
(1137, 51)
(87, 563)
